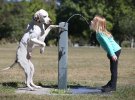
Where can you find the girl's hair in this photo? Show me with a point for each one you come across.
(100, 24)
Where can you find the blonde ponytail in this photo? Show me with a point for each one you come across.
(100, 25)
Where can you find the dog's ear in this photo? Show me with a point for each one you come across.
(37, 17)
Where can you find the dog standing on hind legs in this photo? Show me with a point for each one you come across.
(34, 36)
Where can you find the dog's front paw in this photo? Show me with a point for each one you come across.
(42, 50)
(29, 55)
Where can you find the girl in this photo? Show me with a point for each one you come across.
(105, 38)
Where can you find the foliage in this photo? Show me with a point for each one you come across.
(115, 12)
(15, 17)
(120, 15)
(124, 18)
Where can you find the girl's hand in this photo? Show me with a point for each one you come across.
(114, 58)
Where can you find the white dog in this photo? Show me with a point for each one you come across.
(34, 36)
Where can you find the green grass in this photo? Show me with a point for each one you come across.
(86, 67)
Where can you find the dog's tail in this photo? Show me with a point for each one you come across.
(15, 62)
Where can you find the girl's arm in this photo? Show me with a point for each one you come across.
(105, 43)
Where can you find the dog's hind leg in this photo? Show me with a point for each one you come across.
(27, 69)
(32, 70)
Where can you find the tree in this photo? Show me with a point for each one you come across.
(127, 26)
(78, 28)
(120, 16)
(15, 17)
(124, 19)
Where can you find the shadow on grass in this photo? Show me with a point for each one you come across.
(12, 84)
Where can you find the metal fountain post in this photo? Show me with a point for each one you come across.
(63, 52)
(62, 55)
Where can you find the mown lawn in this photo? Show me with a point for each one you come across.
(86, 67)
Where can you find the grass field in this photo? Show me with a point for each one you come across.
(86, 67)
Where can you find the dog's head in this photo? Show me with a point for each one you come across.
(41, 16)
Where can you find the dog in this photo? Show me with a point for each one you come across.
(34, 35)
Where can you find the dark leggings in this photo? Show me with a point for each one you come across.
(113, 69)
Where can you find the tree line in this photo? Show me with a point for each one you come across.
(120, 16)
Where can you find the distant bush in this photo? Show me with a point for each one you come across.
(126, 44)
